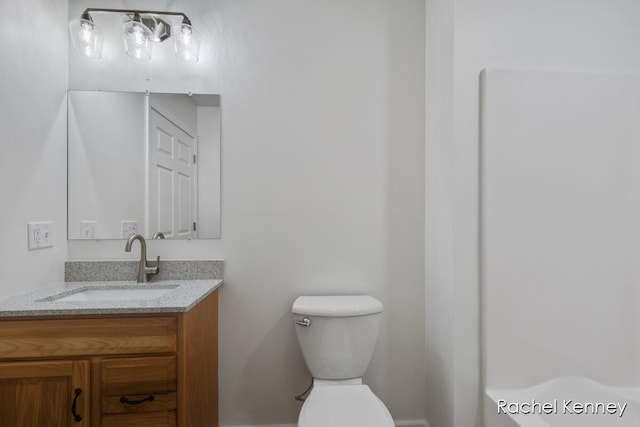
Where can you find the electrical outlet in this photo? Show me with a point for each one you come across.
(40, 235)
(129, 228)
(88, 229)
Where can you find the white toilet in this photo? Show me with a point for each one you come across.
(337, 335)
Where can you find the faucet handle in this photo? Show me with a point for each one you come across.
(156, 269)
(152, 270)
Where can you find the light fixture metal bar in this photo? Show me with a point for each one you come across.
(88, 11)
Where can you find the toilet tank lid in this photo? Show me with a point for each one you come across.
(337, 305)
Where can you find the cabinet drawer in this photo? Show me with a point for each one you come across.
(86, 337)
(151, 419)
(140, 384)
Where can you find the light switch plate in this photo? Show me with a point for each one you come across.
(129, 228)
(88, 229)
(40, 235)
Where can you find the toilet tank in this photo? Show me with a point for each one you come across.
(338, 342)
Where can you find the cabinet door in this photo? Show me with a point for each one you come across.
(45, 393)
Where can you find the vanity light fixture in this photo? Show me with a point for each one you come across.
(141, 29)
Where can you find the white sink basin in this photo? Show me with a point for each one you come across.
(104, 293)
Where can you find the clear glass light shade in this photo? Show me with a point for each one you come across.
(187, 42)
(86, 38)
(137, 40)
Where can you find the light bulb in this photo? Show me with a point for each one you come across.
(187, 42)
(86, 38)
(86, 32)
(137, 39)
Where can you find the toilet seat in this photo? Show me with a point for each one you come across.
(344, 406)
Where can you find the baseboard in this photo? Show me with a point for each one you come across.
(399, 423)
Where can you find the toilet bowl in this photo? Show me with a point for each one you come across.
(344, 406)
(337, 335)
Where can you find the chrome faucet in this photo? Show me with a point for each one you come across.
(144, 269)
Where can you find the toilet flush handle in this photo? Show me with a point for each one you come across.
(304, 322)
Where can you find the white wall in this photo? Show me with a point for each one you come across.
(33, 80)
(322, 182)
(439, 271)
(566, 34)
(209, 171)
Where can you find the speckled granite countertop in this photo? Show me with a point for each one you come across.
(38, 302)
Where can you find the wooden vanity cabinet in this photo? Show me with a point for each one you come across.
(155, 370)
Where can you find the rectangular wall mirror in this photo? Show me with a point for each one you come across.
(143, 163)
